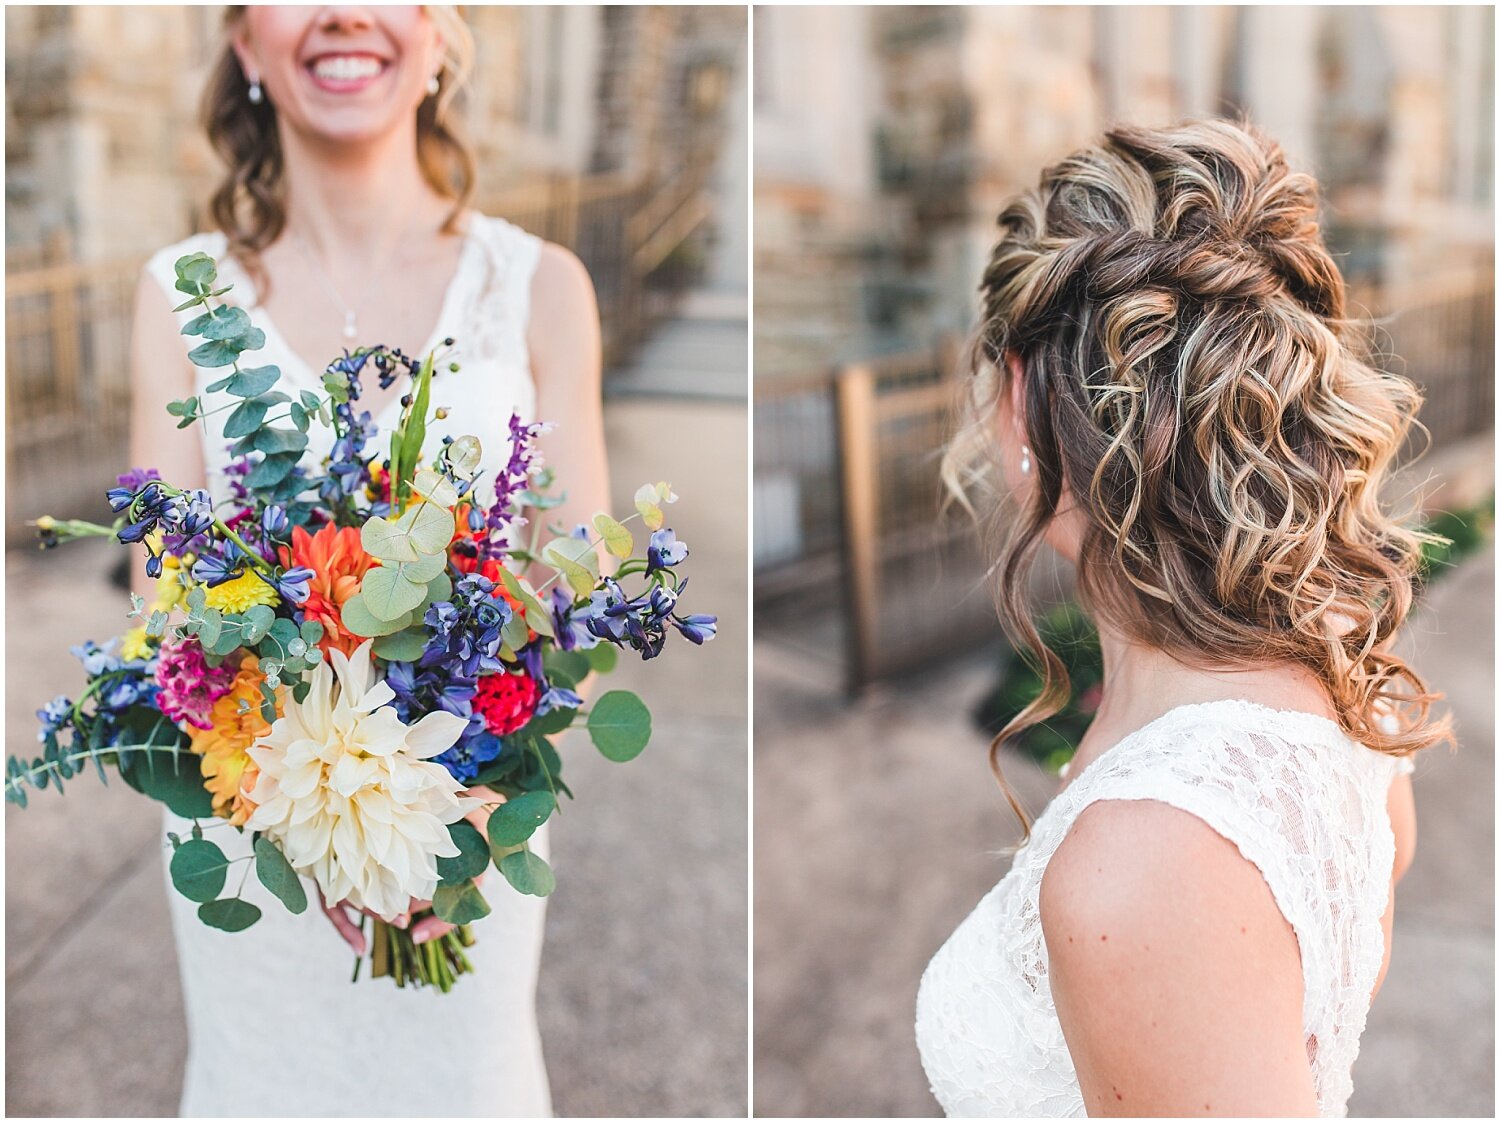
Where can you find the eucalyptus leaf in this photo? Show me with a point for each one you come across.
(198, 870)
(617, 538)
(277, 875)
(229, 915)
(459, 904)
(389, 594)
(224, 322)
(357, 617)
(473, 856)
(387, 541)
(576, 560)
(272, 470)
(602, 657)
(245, 418)
(619, 725)
(431, 528)
(405, 646)
(252, 382)
(528, 874)
(518, 818)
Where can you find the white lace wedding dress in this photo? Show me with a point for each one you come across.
(1300, 800)
(275, 1027)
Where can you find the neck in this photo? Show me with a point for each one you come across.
(356, 203)
(1141, 683)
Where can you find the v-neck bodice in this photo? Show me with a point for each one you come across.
(485, 309)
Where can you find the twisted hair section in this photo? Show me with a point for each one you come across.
(1192, 384)
(249, 202)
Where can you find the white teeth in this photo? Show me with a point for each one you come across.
(346, 68)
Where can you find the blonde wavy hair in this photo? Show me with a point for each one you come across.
(1189, 374)
(248, 204)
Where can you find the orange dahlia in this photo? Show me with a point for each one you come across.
(339, 564)
(236, 722)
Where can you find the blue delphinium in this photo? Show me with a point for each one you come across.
(664, 551)
(420, 692)
(470, 754)
(466, 629)
(641, 622)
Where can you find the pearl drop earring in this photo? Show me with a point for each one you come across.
(255, 95)
(433, 86)
(1025, 460)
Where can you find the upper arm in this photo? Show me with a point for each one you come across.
(159, 373)
(1177, 980)
(563, 339)
(1402, 808)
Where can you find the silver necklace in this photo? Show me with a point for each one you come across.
(351, 319)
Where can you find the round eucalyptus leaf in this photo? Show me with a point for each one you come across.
(229, 915)
(528, 874)
(460, 904)
(620, 725)
(517, 819)
(473, 856)
(389, 594)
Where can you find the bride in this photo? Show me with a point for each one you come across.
(343, 221)
(1168, 386)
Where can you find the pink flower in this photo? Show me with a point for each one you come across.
(189, 686)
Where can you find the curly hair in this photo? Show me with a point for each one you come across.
(1190, 377)
(248, 204)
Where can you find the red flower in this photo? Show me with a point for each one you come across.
(506, 701)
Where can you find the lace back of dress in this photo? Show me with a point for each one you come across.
(1302, 804)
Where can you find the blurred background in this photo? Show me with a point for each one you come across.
(620, 132)
(886, 141)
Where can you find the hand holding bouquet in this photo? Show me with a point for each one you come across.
(345, 651)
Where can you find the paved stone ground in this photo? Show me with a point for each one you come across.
(878, 829)
(643, 992)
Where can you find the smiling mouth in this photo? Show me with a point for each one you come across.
(346, 68)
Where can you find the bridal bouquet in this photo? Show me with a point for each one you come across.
(348, 658)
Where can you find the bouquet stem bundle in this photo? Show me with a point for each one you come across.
(395, 954)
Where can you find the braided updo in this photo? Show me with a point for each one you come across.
(1190, 377)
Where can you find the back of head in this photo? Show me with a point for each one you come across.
(1191, 384)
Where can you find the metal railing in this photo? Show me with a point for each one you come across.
(847, 494)
(67, 330)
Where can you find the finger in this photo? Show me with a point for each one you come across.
(429, 928)
(346, 927)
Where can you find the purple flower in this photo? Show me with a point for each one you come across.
(664, 551)
(466, 629)
(572, 633)
(698, 628)
(137, 478)
(290, 584)
(216, 566)
(524, 462)
(54, 716)
(464, 759)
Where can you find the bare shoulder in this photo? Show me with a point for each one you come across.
(1168, 954)
(1127, 859)
(561, 287)
(563, 334)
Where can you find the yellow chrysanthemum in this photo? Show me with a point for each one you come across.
(228, 771)
(170, 588)
(239, 594)
(135, 644)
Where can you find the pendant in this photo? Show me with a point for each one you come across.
(351, 329)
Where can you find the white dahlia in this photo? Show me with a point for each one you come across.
(347, 792)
